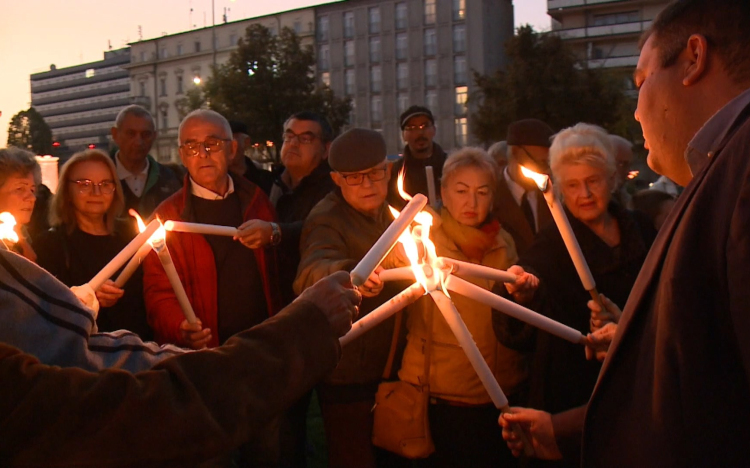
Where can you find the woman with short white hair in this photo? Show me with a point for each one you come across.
(18, 170)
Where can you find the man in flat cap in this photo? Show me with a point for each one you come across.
(339, 231)
(418, 131)
(519, 205)
(243, 166)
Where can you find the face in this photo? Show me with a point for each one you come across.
(468, 195)
(368, 196)
(238, 161)
(586, 191)
(134, 137)
(91, 200)
(536, 158)
(207, 168)
(17, 197)
(419, 139)
(303, 148)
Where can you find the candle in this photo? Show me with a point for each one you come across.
(7, 229)
(431, 193)
(387, 240)
(160, 246)
(397, 274)
(520, 312)
(132, 265)
(123, 256)
(396, 303)
(478, 271)
(197, 228)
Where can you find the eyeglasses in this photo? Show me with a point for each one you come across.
(211, 145)
(413, 128)
(357, 178)
(304, 138)
(86, 186)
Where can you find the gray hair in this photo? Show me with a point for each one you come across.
(206, 114)
(470, 156)
(621, 145)
(499, 151)
(582, 144)
(18, 162)
(136, 111)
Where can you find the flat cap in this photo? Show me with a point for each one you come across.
(414, 111)
(238, 127)
(530, 132)
(356, 150)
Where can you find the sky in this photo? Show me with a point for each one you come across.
(37, 33)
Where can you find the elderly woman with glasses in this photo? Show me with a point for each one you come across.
(19, 174)
(86, 234)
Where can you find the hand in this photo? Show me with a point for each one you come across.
(524, 287)
(254, 234)
(108, 294)
(336, 297)
(87, 296)
(373, 285)
(599, 341)
(194, 335)
(599, 317)
(537, 425)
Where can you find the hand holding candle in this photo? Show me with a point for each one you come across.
(124, 255)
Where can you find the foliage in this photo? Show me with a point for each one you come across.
(193, 99)
(28, 130)
(545, 80)
(267, 79)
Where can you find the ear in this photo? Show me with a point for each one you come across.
(697, 54)
(337, 179)
(113, 132)
(325, 153)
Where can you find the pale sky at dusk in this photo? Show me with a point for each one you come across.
(37, 33)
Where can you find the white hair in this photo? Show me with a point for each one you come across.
(582, 144)
(206, 114)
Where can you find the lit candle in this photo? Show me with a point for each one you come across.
(478, 271)
(463, 287)
(123, 256)
(397, 274)
(383, 246)
(198, 228)
(396, 303)
(431, 193)
(132, 265)
(7, 229)
(159, 244)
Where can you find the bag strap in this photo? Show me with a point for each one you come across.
(394, 343)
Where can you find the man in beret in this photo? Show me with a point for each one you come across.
(339, 231)
(418, 131)
(241, 165)
(519, 205)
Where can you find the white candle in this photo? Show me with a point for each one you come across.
(431, 193)
(535, 319)
(383, 246)
(132, 265)
(478, 271)
(397, 274)
(123, 256)
(198, 228)
(396, 303)
(174, 280)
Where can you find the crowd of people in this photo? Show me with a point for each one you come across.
(132, 381)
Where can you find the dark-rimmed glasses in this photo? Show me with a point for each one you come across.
(211, 145)
(357, 178)
(304, 138)
(86, 186)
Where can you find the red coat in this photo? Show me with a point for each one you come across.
(194, 261)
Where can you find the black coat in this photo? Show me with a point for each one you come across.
(415, 176)
(512, 219)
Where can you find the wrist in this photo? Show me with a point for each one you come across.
(275, 234)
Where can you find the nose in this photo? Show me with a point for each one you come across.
(366, 182)
(96, 189)
(473, 200)
(635, 114)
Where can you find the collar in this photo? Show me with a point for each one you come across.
(706, 142)
(516, 190)
(206, 194)
(123, 173)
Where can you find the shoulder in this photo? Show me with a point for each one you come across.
(172, 206)
(328, 205)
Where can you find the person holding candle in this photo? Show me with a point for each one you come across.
(86, 234)
(461, 414)
(17, 194)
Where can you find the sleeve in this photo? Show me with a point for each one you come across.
(568, 429)
(323, 251)
(188, 409)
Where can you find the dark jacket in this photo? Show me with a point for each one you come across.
(160, 184)
(511, 217)
(260, 177)
(415, 177)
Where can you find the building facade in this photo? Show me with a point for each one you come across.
(80, 103)
(389, 54)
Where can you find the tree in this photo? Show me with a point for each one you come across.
(267, 79)
(28, 130)
(194, 99)
(545, 80)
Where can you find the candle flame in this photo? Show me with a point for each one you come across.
(138, 219)
(157, 237)
(400, 184)
(541, 180)
(7, 225)
(633, 174)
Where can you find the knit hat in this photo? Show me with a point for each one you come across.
(414, 111)
(356, 150)
(529, 132)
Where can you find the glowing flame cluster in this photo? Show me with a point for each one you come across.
(7, 227)
(633, 174)
(157, 237)
(541, 180)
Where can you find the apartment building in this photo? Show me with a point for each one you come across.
(389, 54)
(80, 103)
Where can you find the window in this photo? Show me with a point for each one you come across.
(297, 27)
(459, 69)
(375, 49)
(376, 110)
(163, 53)
(349, 83)
(429, 11)
(462, 131)
(232, 40)
(164, 119)
(402, 102)
(431, 99)
(459, 38)
(349, 24)
(197, 46)
(402, 76)
(324, 55)
(325, 78)
(616, 18)
(143, 56)
(162, 86)
(323, 28)
(430, 42)
(459, 10)
(402, 46)
(402, 18)
(373, 15)
(349, 53)
(179, 84)
(179, 49)
(90, 73)
(376, 79)
(430, 72)
(462, 93)
(143, 88)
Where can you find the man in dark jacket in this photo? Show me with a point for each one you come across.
(242, 165)
(145, 182)
(675, 387)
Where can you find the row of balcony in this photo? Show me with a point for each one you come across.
(557, 4)
(622, 29)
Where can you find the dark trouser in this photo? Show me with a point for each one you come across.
(293, 434)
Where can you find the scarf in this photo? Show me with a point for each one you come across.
(474, 242)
